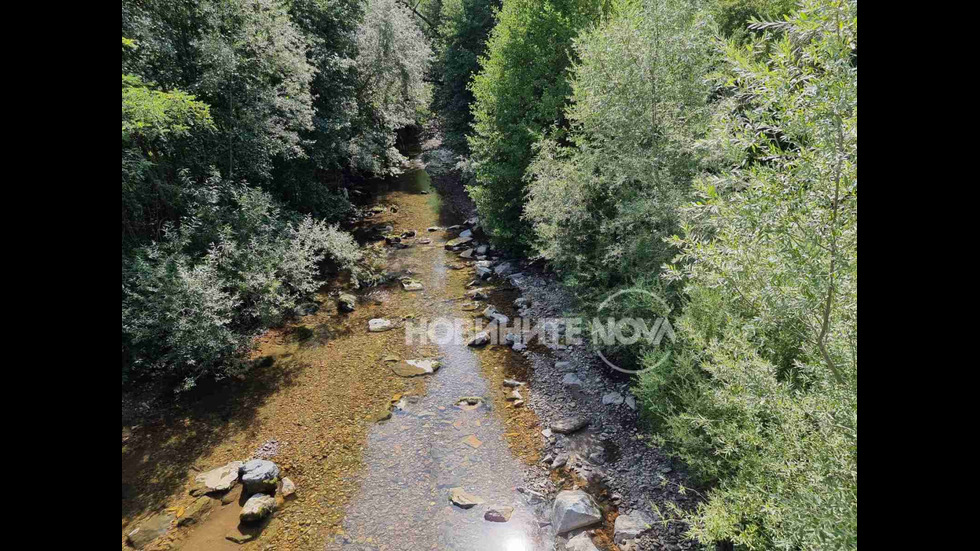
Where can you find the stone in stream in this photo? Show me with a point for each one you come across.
(434, 228)
(468, 253)
(475, 221)
(571, 380)
(458, 242)
(512, 383)
(518, 347)
(466, 233)
(411, 285)
(257, 507)
(408, 233)
(559, 461)
(480, 339)
(218, 480)
(259, 475)
(423, 241)
(514, 395)
(504, 269)
(482, 249)
(461, 498)
(498, 514)
(574, 509)
(414, 368)
(346, 302)
(288, 487)
(631, 403)
(379, 324)
(477, 294)
(570, 425)
(581, 542)
(612, 398)
(483, 272)
(150, 529)
(632, 525)
(195, 511)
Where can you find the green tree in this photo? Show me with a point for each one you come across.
(465, 26)
(761, 400)
(520, 92)
(602, 205)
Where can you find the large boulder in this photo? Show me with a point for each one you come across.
(581, 542)
(220, 479)
(150, 529)
(257, 507)
(260, 475)
(632, 525)
(574, 509)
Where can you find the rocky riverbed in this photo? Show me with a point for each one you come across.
(481, 442)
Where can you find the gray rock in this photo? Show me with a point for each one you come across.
(257, 507)
(574, 509)
(512, 383)
(504, 269)
(519, 347)
(475, 221)
(581, 542)
(458, 242)
(220, 479)
(414, 368)
(559, 461)
(482, 249)
(483, 272)
(631, 403)
(259, 475)
(150, 529)
(480, 339)
(632, 525)
(570, 425)
(477, 294)
(514, 395)
(466, 233)
(612, 398)
(346, 302)
(379, 324)
(571, 380)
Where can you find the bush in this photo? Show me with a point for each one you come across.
(520, 92)
(761, 399)
(602, 206)
(232, 267)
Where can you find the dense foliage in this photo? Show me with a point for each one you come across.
(238, 116)
(762, 399)
(464, 27)
(519, 94)
(602, 205)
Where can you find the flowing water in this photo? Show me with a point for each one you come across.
(430, 444)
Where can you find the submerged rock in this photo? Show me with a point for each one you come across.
(195, 511)
(414, 368)
(257, 507)
(498, 514)
(411, 285)
(574, 509)
(150, 529)
(463, 499)
(458, 242)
